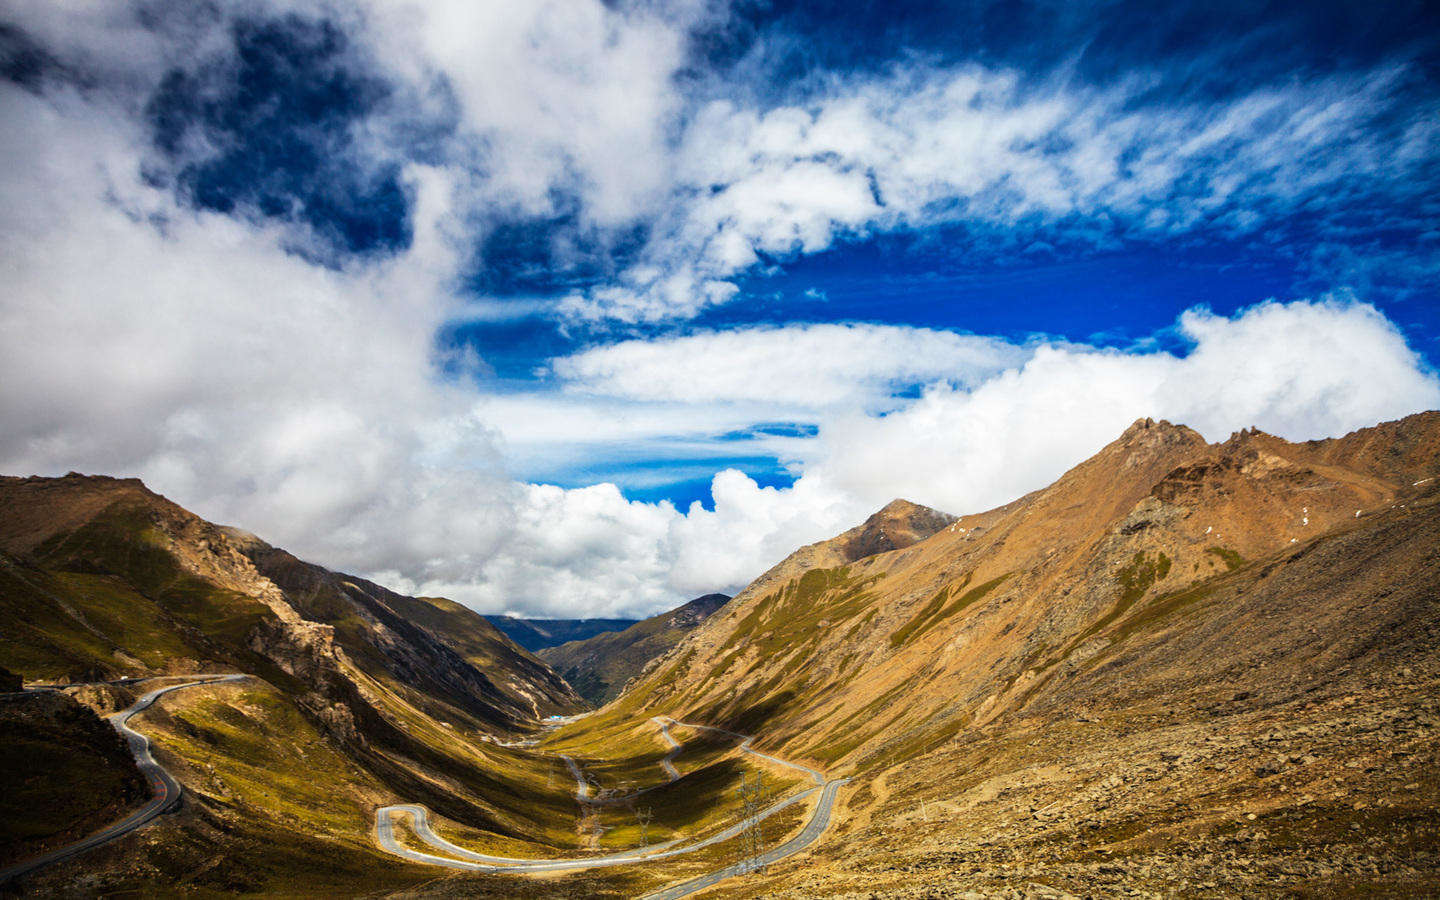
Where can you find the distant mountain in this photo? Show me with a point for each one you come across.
(897, 525)
(537, 634)
(599, 666)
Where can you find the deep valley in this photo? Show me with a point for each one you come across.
(1183, 668)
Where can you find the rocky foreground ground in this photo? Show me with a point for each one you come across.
(1332, 795)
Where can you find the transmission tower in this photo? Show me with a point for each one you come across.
(752, 839)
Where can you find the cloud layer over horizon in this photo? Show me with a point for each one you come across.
(236, 254)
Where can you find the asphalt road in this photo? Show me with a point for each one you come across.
(166, 790)
(461, 858)
(818, 776)
(167, 793)
(479, 862)
(819, 821)
(668, 763)
(582, 787)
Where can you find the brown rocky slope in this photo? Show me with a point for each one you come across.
(226, 596)
(1099, 684)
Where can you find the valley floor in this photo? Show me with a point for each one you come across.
(269, 808)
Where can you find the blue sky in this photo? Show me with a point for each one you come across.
(592, 307)
(1093, 278)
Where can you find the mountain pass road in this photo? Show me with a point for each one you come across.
(165, 789)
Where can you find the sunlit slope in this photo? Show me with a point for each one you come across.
(1269, 730)
(434, 647)
(897, 653)
(106, 577)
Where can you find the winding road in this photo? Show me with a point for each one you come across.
(461, 858)
(808, 835)
(668, 763)
(167, 790)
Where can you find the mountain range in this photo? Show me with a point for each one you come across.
(537, 634)
(1180, 664)
(1182, 668)
(601, 665)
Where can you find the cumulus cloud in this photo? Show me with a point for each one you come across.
(587, 115)
(301, 401)
(970, 442)
(193, 349)
(574, 95)
(147, 334)
(1300, 370)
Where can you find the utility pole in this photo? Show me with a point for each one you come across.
(644, 817)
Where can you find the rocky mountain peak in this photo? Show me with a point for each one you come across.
(696, 611)
(1152, 432)
(897, 525)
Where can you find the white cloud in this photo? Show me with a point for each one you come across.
(646, 296)
(192, 349)
(805, 365)
(969, 144)
(1300, 370)
(751, 528)
(143, 337)
(299, 402)
(574, 94)
(589, 551)
(581, 107)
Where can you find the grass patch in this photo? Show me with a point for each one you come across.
(296, 814)
(914, 626)
(1231, 559)
(1140, 575)
(915, 742)
(936, 612)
